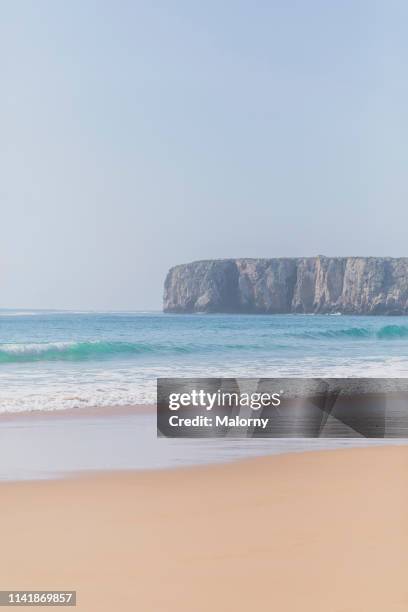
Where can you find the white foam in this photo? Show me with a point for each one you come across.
(57, 387)
(35, 347)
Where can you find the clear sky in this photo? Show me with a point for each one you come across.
(138, 135)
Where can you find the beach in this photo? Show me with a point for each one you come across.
(322, 531)
(93, 500)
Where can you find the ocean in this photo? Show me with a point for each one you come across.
(56, 360)
(51, 361)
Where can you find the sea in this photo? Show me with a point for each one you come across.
(53, 361)
(57, 360)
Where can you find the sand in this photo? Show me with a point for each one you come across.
(78, 413)
(320, 531)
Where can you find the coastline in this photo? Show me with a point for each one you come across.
(78, 413)
(317, 531)
(53, 445)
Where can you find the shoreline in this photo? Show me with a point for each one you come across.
(121, 473)
(297, 531)
(39, 446)
(91, 411)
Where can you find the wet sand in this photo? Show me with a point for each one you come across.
(78, 413)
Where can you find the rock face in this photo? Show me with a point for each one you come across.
(348, 285)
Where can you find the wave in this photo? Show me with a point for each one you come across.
(348, 332)
(387, 332)
(393, 331)
(102, 350)
(77, 351)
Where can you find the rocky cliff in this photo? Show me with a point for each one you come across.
(349, 285)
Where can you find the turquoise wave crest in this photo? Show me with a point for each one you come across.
(100, 350)
(76, 351)
(387, 332)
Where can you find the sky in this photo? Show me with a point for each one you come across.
(135, 136)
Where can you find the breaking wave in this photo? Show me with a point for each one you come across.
(387, 332)
(105, 350)
(78, 351)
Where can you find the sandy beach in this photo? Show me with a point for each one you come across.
(320, 531)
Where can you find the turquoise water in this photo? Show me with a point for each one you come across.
(56, 360)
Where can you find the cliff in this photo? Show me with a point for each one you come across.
(349, 285)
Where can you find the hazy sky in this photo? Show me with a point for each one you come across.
(138, 135)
